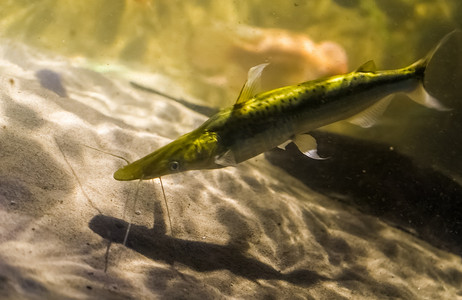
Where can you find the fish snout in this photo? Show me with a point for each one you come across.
(127, 173)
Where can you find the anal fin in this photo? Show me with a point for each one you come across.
(369, 117)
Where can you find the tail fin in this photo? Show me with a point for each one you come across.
(431, 66)
(443, 42)
(421, 96)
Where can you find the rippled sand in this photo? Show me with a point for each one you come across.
(253, 231)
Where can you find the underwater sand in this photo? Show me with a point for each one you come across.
(249, 232)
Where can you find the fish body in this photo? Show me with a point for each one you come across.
(258, 122)
(269, 119)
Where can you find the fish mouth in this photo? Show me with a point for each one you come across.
(127, 173)
(144, 168)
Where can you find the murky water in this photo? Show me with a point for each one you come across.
(381, 218)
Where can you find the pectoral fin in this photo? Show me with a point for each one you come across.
(252, 85)
(370, 116)
(308, 146)
(226, 159)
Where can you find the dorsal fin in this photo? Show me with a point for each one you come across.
(252, 85)
(368, 66)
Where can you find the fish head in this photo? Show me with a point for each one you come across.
(192, 151)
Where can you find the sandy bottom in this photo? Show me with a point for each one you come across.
(252, 232)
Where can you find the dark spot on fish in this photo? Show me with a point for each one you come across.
(11, 81)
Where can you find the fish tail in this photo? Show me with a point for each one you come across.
(445, 42)
(430, 67)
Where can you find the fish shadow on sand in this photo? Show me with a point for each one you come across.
(383, 183)
(200, 256)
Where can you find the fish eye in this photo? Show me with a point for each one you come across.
(174, 165)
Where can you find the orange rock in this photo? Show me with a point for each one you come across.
(293, 57)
